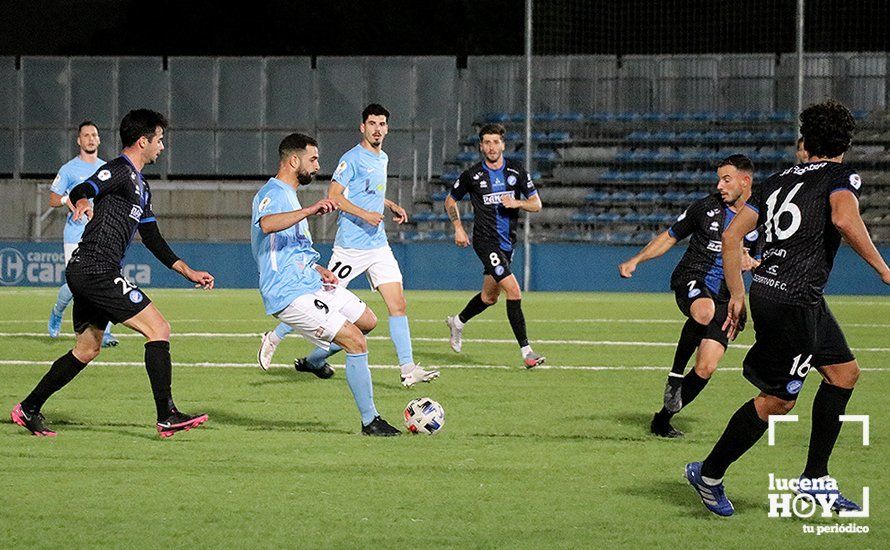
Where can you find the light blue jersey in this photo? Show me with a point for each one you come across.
(286, 258)
(363, 174)
(70, 175)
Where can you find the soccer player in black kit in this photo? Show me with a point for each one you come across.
(121, 206)
(498, 189)
(803, 213)
(698, 285)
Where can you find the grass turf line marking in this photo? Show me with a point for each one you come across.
(417, 339)
(16, 362)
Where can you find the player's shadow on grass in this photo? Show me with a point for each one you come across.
(62, 424)
(639, 420)
(258, 423)
(677, 492)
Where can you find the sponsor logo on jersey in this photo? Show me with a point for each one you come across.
(794, 387)
(773, 270)
(511, 180)
(715, 226)
(801, 170)
(752, 236)
(855, 181)
(104, 175)
(780, 252)
(483, 184)
(136, 212)
(136, 296)
(499, 270)
(694, 292)
(715, 246)
(682, 216)
(265, 202)
(491, 199)
(714, 212)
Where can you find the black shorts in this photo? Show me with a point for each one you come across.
(99, 299)
(495, 261)
(788, 342)
(696, 289)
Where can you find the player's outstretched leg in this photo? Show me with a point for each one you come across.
(709, 354)
(400, 333)
(27, 413)
(54, 325)
(358, 378)
(269, 343)
(316, 362)
(828, 405)
(474, 307)
(108, 339)
(150, 323)
(517, 321)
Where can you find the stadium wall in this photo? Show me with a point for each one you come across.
(425, 266)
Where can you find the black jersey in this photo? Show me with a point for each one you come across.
(800, 242)
(121, 201)
(494, 225)
(705, 221)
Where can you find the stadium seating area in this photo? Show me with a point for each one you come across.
(621, 178)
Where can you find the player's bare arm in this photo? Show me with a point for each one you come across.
(82, 208)
(845, 217)
(400, 216)
(202, 279)
(335, 193)
(460, 236)
(279, 222)
(748, 263)
(531, 204)
(656, 247)
(733, 237)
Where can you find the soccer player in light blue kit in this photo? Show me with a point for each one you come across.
(298, 291)
(358, 186)
(70, 175)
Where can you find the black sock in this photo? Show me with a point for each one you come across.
(473, 308)
(64, 369)
(517, 321)
(693, 384)
(160, 374)
(742, 432)
(690, 338)
(830, 402)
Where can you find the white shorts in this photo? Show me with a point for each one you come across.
(378, 264)
(69, 250)
(319, 316)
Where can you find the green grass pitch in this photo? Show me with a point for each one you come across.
(555, 457)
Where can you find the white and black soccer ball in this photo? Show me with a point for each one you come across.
(424, 416)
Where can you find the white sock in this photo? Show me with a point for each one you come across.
(274, 338)
(407, 367)
(525, 351)
(457, 322)
(711, 480)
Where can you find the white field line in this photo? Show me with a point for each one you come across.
(592, 321)
(15, 362)
(245, 335)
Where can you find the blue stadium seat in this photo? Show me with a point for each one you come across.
(450, 175)
(438, 196)
(466, 156)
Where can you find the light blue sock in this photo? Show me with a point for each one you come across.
(358, 376)
(63, 299)
(108, 329)
(282, 330)
(401, 337)
(318, 356)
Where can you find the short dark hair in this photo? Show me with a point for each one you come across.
(140, 123)
(87, 123)
(800, 141)
(293, 143)
(827, 129)
(741, 162)
(374, 109)
(492, 128)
